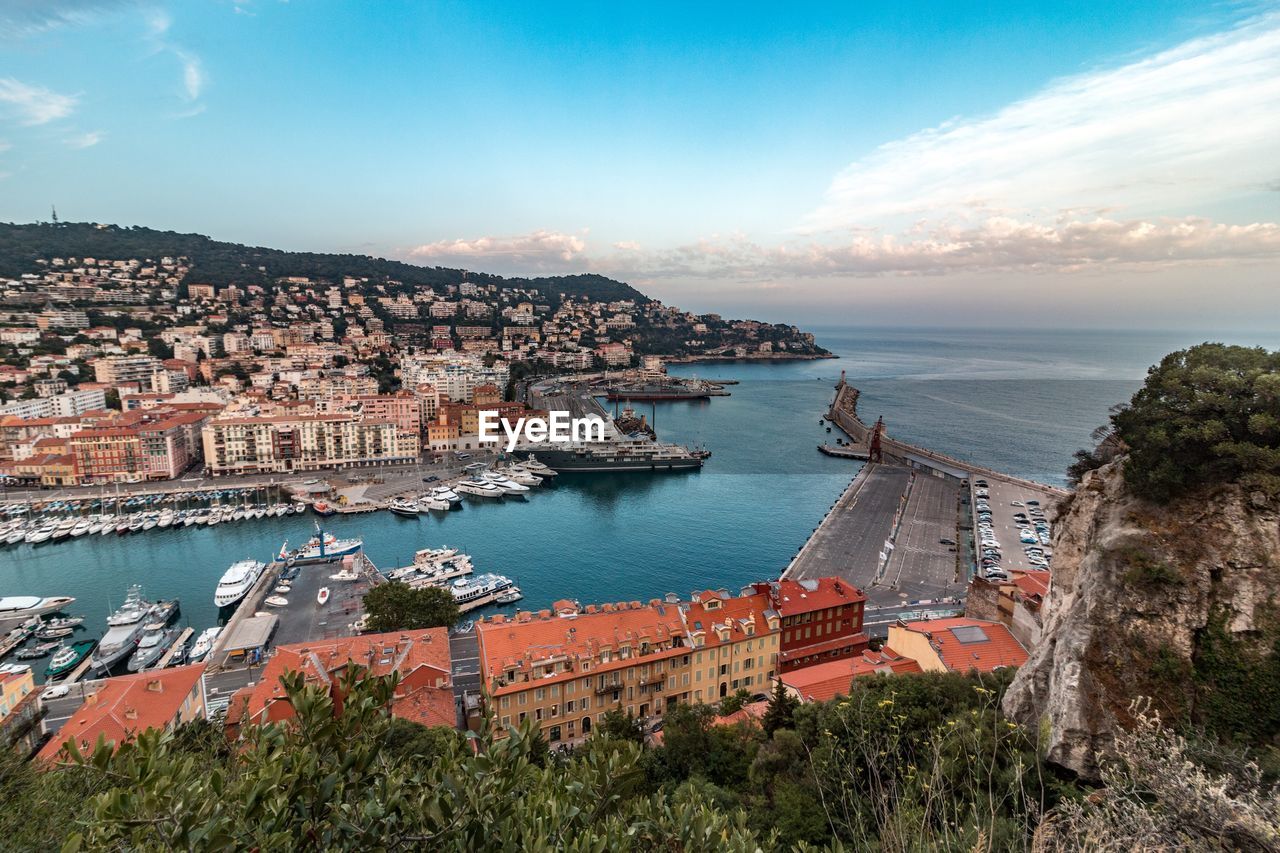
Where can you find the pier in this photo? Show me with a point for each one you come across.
(902, 530)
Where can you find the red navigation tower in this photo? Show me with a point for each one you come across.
(875, 454)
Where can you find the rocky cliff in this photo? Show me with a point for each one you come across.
(1176, 603)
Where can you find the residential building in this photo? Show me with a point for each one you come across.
(735, 642)
(565, 670)
(821, 620)
(20, 708)
(424, 693)
(119, 369)
(237, 444)
(123, 707)
(823, 681)
(957, 644)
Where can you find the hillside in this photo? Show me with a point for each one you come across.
(222, 263)
(1166, 569)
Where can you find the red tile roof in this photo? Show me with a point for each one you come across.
(965, 644)
(531, 638)
(424, 695)
(127, 705)
(824, 681)
(1032, 584)
(805, 596)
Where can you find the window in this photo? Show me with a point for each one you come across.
(554, 734)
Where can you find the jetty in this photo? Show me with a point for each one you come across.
(902, 530)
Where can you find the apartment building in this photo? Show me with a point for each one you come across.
(566, 667)
(122, 707)
(821, 620)
(301, 442)
(119, 369)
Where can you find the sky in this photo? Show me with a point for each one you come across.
(978, 164)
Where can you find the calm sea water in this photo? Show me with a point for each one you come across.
(1019, 402)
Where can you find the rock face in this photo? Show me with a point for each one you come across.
(1138, 591)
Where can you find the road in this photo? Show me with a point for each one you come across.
(921, 566)
(848, 542)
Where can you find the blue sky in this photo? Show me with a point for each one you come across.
(884, 162)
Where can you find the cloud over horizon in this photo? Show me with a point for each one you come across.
(1166, 135)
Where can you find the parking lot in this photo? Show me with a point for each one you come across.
(1006, 501)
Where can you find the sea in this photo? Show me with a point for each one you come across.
(1017, 401)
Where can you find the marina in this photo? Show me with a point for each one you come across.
(614, 535)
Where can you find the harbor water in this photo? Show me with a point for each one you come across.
(1021, 403)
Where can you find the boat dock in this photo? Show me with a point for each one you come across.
(177, 644)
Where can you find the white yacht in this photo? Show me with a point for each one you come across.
(82, 527)
(203, 644)
(480, 488)
(405, 507)
(446, 494)
(508, 485)
(237, 581)
(25, 606)
(124, 630)
(532, 464)
(430, 501)
(522, 475)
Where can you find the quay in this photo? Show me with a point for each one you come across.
(902, 531)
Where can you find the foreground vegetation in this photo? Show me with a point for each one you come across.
(904, 763)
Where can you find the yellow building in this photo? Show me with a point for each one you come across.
(565, 668)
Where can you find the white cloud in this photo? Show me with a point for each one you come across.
(33, 105)
(86, 140)
(20, 18)
(192, 73)
(1168, 134)
(997, 244)
(537, 251)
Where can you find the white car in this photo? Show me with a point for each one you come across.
(55, 692)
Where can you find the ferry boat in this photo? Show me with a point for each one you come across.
(237, 581)
(404, 508)
(477, 591)
(203, 644)
(619, 455)
(67, 658)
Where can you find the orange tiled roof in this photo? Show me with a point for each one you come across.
(531, 638)
(738, 611)
(127, 705)
(989, 647)
(806, 596)
(824, 681)
(420, 657)
(1032, 584)
(829, 645)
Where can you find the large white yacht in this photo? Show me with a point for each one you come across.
(237, 581)
(478, 487)
(508, 485)
(446, 494)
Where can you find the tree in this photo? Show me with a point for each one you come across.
(1205, 415)
(324, 781)
(620, 725)
(735, 702)
(396, 606)
(781, 710)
